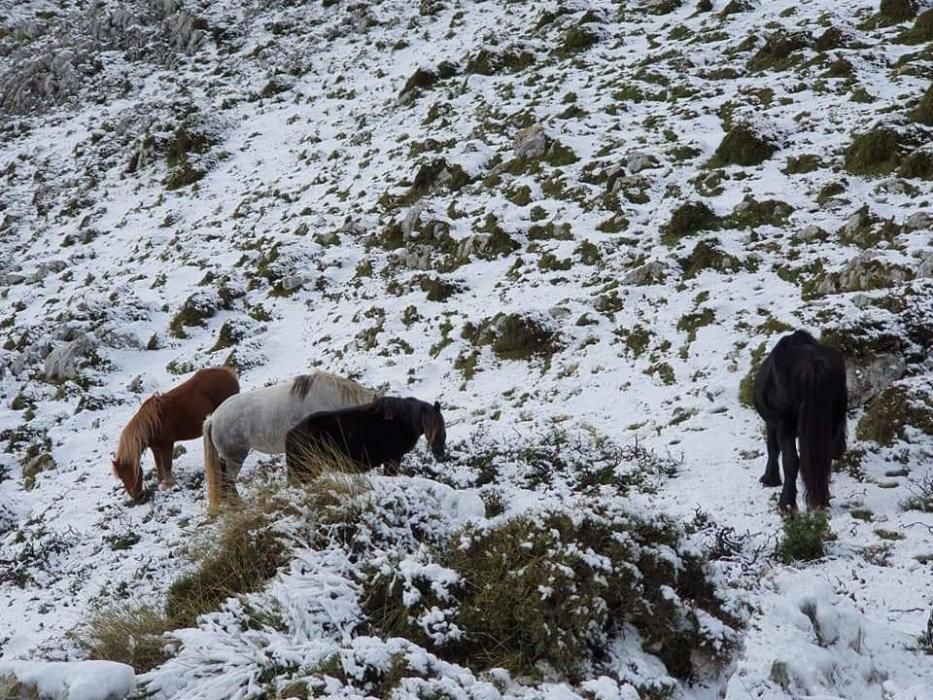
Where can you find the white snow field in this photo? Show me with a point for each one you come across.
(576, 224)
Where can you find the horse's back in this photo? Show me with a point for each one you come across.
(260, 419)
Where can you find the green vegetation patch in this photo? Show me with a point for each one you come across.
(747, 383)
(893, 410)
(780, 51)
(875, 152)
(514, 337)
(804, 538)
(706, 255)
(921, 32)
(688, 219)
(742, 145)
(548, 587)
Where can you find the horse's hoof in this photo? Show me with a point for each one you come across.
(765, 481)
(167, 485)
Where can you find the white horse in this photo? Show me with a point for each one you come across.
(260, 420)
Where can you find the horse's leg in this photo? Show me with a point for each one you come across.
(772, 475)
(230, 467)
(164, 459)
(788, 445)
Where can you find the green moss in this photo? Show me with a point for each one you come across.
(550, 231)
(807, 163)
(576, 39)
(438, 289)
(923, 112)
(742, 146)
(706, 255)
(193, 312)
(805, 537)
(779, 52)
(614, 224)
(875, 152)
(751, 213)
(514, 337)
(917, 165)
(229, 335)
(691, 323)
(687, 220)
(830, 190)
(894, 12)
(520, 196)
(840, 68)
(891, 412)
(486, 62)
(636, 340)
(588, 253)
(921, 32)
(663, 371)
(747, 383)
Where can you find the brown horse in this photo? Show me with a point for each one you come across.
(166, 418)
(378, 433)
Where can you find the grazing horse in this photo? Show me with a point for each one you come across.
(800, 392)
(260, 419)
(163, 419)
(378, 433)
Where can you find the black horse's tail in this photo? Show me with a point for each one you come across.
(817, 427)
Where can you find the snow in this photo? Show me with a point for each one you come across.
(75, 680)
(323, 154)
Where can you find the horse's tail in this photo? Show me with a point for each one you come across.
(816, 428)
(212, 471)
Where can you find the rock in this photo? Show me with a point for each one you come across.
(919, 221)
(925, 269)
(62, 362)
(637, 161)
(654, 272)
(864, 272)
(531, 142)
(410, 222)
(811, 233)
(292, 282)
(867, 377)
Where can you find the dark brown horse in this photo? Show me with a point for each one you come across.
(800, 392)
(164, 419)
(378, 433)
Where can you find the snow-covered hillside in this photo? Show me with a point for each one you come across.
(577, 225)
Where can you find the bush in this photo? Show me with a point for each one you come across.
(246, 554)
(549, 589)
(136, 636)
(688, 219)
(805, 536)
(876, 152)
(742, 146)
(891, 412)
(921, 494)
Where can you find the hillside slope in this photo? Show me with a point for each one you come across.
(585, 220)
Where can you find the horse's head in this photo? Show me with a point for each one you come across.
(435, 432)
(130, 475)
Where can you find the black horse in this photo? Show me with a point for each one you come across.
(800, 391)
(378, 433)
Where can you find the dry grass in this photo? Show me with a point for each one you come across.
(134, 636)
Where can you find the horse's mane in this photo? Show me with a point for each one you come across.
(348, 389)
(139, 431)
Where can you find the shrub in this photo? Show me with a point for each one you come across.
(891, 412)
(135, 636)
(244, 556)
(747, 384)
(514, 337)
(554, 587)
(876, 152)
(804, 538)
(921, 494)
(742, 146)
(688, 219)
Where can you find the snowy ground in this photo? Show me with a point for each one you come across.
(301, 240)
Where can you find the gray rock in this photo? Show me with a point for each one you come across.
(637, 161)
(531, 142)
(62, 362)
(654, 272)
(920, 221)
(863, 272)
(868, 377)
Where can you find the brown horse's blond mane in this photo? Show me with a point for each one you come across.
(139, 431)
